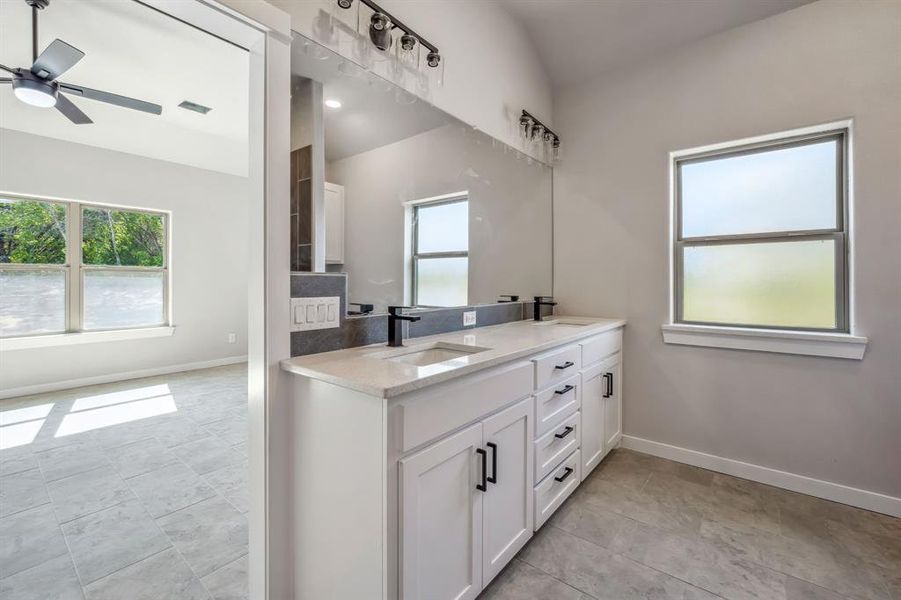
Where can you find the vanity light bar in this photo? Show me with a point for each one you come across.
(526, 115)
(394, 22)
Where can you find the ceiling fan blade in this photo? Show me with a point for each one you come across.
(6, 80)
(5, 68)
(110, 98)
(72, 112)
(56, 59)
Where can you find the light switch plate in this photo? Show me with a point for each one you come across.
(469, 318)
(315, 313)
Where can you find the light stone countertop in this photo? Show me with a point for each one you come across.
(368, 370)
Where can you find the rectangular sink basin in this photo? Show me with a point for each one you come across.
(430, 354)
(571, 322)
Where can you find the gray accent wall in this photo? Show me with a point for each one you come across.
(363, 330)
(830, 419)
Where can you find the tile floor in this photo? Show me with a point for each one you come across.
(139, 490)
(136, 489)
(644, 527)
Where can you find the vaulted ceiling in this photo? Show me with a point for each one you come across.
(580, 39)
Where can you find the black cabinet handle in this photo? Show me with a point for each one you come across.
(493, 478)
(567, 388)
(565, 365)
(569, 429)
(566, 474)
(484, 485)
(608, 390)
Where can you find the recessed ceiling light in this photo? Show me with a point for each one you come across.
(332, 103)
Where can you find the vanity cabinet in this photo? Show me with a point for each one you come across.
(429, 492)
(601, 407)
(441, 519)
(466, 506)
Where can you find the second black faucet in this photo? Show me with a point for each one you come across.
(395, 325)
(539, 302)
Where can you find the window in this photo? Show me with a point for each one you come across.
(441, 253)
(761, 236)
(71, 267)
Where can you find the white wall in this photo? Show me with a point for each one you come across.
(510, 244)
(491, 69)
(830, 419)
(209, 253)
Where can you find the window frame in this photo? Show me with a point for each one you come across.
(840, 234)
(75, 268)
(416, 256)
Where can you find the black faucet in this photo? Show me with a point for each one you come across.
(365, 308)
(539, 302)
(395, 325)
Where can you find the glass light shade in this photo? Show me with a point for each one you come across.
(34, 97)
(436, 73)
(525, 128)
(408, 50)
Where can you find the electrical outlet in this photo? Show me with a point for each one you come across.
(469, 318)
(232, 338)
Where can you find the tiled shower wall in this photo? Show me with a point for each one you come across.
(373, 329)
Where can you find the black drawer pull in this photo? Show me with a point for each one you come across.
(569, 429)
(566, 389)
(566, 474)
(493, 478)
(608, 380)
(565, 365)
(484, 485)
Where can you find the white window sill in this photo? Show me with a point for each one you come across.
(87, 337)
(835, 345)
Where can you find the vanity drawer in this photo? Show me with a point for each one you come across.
(601, 346)
(555, 404)
(550, 493)
(556, 366)
(558, 443)
(427, 414)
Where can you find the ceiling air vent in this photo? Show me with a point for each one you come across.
(198, 108)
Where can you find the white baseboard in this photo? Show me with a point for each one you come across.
(44, 388)
(873, 501)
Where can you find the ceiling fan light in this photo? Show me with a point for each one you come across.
(34, 93)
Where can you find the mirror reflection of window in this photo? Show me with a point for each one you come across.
(441, 252)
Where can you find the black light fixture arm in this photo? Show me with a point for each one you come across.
(395, 22)
(547, 129)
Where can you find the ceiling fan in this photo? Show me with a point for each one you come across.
(38, 86)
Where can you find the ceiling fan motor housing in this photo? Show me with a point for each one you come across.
(38, 3)
(26, 80)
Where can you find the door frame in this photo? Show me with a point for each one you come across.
(265, 31)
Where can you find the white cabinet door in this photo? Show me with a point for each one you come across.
(613, 403)
(594, 411)
(507, 503)
(441, 519)
(334, 223)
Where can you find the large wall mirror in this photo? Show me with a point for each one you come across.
(417, 207)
